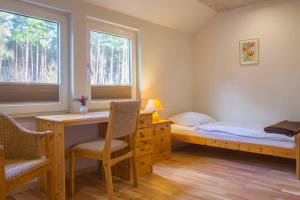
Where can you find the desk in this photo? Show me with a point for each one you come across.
(57, 124)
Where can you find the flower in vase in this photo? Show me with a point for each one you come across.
(82, 100)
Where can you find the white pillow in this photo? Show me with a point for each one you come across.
(191, 119)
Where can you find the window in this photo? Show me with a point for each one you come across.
(111, 61)
(29, 49)
(33, 59)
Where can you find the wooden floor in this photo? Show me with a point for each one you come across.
(196, 173)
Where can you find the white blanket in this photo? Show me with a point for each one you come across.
(242, 130)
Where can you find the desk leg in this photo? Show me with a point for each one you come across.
(57, 156)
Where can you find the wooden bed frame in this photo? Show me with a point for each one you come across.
(244, 146)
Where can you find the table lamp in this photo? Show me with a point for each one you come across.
(154, 106)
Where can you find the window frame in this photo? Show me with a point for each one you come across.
(49, 15)
(101, 26)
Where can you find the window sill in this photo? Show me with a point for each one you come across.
(103, 104)
(33, 109)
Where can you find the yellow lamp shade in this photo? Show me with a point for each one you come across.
(154, 105)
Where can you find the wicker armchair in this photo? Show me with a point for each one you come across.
(21, 159)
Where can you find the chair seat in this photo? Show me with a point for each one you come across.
(15, 168)
(98, 146)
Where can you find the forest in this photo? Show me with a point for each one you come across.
(110, 59)
(29, 49)
(29, 53)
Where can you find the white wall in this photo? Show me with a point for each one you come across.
(166, 54)
(166, 61)
(264, 93)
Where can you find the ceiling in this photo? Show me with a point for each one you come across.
(224, 5)
(183, 15)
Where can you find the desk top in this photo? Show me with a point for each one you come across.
(78, 119)
(92, 117)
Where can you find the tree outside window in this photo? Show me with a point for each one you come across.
(29, 49)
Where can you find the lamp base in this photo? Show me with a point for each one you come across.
(155, 117)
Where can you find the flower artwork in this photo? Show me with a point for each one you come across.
(249, 52)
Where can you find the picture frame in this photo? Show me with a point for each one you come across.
(249, 52)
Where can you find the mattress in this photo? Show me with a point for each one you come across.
(276, 141)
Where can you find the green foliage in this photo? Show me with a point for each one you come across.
(29, 53)
(109, 59)
(28, 49)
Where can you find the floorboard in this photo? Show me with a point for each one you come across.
(196, 173)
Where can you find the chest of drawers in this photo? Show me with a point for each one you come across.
(161, 140)
(152, 144)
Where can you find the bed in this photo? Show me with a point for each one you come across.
(241, 137)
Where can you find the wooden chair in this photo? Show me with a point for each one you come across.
(123, 121)
(20, 156)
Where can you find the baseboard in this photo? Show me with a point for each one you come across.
(176, 145)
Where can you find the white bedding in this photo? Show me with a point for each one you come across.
(238, 133)
(243, 130)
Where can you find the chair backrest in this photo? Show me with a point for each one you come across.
(123, 118)
(15, 142)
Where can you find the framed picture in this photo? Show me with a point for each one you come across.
(249, 52)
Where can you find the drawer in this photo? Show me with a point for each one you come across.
(145, 121)
(144, 133)
(144, 164)
(162, 128)
(161, 139)
(157, 157)
(143, 147)
(162, 148)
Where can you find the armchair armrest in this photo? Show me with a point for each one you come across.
(29, 132)
(36, 133)
(18, 141)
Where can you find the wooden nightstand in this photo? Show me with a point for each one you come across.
(161, 140)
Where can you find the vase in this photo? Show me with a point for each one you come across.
(83, 109)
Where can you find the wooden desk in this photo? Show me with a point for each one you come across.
(57, 124)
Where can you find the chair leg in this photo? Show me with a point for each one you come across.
(134, 172)
(72, 172)
(298, 156)
(2, 195)
(100, 170)
(2, 175)
(298, 164)
(2, 190)
(51, 184)
(108, 178)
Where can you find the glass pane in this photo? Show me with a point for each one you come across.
(110, 59)
(29, 49)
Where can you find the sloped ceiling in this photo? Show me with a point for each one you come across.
(183, 15)
(224, 5)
